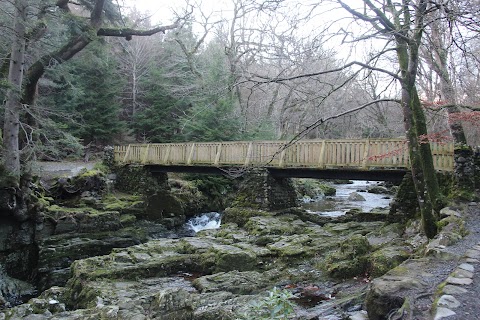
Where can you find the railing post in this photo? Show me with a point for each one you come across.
(281, 162)
(126, 154)
(365, 154)
(219, 153)
(190, 156)
(167, 154)
(321, 158)
(249, 154)
(145, 156)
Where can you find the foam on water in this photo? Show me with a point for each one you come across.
(210, 220)
(339, 204)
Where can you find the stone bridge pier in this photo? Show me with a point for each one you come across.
(261, 190)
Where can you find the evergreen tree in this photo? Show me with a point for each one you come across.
(159, 120)
(212, 122)
(89, 94)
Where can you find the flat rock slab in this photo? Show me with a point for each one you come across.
(472, 253)
(445, 212)
(460, 281)
(452, 289)
(443, 313)
(448, 301)
(461, 273)
(467, 267)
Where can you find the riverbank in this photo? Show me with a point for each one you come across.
(107, 257)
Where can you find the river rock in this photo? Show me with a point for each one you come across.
(354, 196)
(447, 211)
(350, 260)
(246, 282)
(13, 290)
(376, 189)
(218, 274)
(393, 289)
(165, 208)
(241, 215)
(387, 258)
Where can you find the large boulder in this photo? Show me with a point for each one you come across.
(13, 291)
(92, 181)
(350, 260)
(355, 196)
(164, 208)
(396, 288)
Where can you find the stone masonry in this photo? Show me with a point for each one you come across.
(263, 191)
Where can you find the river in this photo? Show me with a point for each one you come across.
(332, 206)
(339, 204)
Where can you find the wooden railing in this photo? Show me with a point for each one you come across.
(321, 154)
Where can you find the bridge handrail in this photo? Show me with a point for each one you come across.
(331, 153)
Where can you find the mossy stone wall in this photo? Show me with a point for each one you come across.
(476, 163)
(138, 179)
(464, 168)
(405, 204)
(262, 191)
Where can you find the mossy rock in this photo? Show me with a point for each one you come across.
(228, 258)
(127, 219)
(350, 260)
(295, 246)
(313, 188)
(241, 215)
(139, 180)
(78, 295)
(385, 259)
(344, 269)
(452, 224)
(123, 203)
(269, 225)
(93, 181)
(238, 282)
(164, 208)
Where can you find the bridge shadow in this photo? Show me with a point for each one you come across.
(394, 175)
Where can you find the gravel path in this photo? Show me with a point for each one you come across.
(469, 303)
(50, 169)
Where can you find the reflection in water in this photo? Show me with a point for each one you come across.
(339, 204)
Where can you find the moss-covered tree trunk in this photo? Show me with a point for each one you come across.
(423, 172)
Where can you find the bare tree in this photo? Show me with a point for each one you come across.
(22, 82)
(401, 27)
(14, 92)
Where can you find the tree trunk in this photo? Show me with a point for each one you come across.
(14, 93)
(437, 58)
(423, 171)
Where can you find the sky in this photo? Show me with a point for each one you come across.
(161, 11)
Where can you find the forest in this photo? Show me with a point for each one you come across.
(106, 240)
(81, 75)
(258, 70)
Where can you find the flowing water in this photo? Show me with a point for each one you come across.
(210, 220)
(339, 204)
(327, 206)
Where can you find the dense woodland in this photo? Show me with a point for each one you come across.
(96, 72)
(210, 78)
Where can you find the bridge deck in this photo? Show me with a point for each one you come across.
(351, 154)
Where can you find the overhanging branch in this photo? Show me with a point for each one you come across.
(321, 121)
(129, 32)
(313, 74)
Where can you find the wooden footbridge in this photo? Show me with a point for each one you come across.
(372, 159)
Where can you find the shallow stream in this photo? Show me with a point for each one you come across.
(331, 206)
(339, 204)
